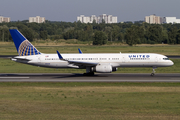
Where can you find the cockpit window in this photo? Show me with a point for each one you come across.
(165, 58)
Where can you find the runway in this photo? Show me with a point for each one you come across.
(68, 77)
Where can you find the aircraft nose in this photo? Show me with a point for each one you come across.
(171, 63)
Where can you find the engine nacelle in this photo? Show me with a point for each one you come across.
(103, 69)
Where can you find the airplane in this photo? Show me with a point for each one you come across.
(99, 62)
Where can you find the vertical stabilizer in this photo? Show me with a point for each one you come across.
(23, 46)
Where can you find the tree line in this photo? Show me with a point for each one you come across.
(130, 33)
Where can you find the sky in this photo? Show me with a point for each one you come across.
(68, 10)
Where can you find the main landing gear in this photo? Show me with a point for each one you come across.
(153, 72)
(89, 72)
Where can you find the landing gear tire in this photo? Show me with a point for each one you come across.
(89, 74)
(152, 74)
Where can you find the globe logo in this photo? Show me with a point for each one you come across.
(26, 48)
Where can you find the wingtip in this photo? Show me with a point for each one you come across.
(80, 51)
(59, 55)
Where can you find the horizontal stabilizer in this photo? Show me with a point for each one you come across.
(20, 59)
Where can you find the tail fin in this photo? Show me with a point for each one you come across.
(23, 46)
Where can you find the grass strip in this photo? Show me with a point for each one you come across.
(98, 101)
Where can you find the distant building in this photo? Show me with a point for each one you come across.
(37, 19)
(85, 19)
(4, 19)
(100, 19)
(170, 20)
(107, 18)
(153, 19)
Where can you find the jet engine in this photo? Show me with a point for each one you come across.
(103, 69)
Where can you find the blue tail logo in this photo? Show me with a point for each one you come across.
(23, 46)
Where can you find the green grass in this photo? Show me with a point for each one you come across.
(9, 49)
(97, 101)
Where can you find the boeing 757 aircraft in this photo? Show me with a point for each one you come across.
(101, 62)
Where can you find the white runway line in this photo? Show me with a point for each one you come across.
(14, 77)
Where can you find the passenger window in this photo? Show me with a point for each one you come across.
(165, 58)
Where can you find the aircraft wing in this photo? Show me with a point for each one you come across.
(78, 63)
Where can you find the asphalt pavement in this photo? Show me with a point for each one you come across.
(70, 77)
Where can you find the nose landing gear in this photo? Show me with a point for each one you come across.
(153, 72)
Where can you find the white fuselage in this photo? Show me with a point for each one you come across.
(115, 60)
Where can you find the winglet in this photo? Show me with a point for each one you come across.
(59, 55)
(80, 51)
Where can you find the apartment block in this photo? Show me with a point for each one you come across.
(153, 19)
(37, 19)
(170, 20)
(99, 19)
(107, 18)
(4, 19)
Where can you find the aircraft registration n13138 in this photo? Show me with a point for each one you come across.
(101, 62)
